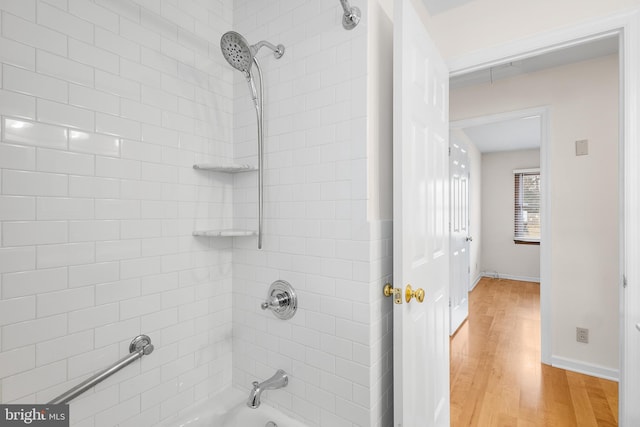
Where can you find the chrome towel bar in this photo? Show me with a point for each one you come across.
(140, 346)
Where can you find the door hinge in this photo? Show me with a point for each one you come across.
(624, 281)
(449, 151)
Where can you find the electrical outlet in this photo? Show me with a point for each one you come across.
(582, 147)
(582, 335)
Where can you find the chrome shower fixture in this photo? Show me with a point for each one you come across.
(351, 15)
(240, 54)
(278, 380)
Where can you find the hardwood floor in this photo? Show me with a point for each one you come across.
(496, 375)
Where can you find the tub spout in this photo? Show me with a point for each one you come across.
(279, 380)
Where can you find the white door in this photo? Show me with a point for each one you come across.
(420, 224)
(460, 236)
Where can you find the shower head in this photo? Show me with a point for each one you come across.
(237, 51)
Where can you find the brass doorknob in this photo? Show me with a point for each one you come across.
(388, 290)
(409, 293)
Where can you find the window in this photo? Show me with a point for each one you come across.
(527, 206)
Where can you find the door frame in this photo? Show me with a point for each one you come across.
(627, 26)
(545, 206)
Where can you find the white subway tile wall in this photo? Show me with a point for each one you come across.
(104, 108)
(318, 235)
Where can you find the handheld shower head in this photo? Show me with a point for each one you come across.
(236, 51)
(240, 54)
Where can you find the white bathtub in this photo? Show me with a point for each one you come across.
(229, 409)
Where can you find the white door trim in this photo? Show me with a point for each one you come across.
(543, 43)
(628, 25)
(545, 205)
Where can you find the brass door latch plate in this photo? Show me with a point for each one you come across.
(396, 292)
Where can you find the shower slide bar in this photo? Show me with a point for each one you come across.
(140, 346)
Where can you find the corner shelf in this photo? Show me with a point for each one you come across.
(226, 168)
(224, 233)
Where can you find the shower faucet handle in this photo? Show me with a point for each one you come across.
(276, 301)
(281, 300)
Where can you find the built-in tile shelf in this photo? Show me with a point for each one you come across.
(227, 168)
(224, 233)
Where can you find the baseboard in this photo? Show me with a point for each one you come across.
(585, 368)
(497, 275)
(475, 282)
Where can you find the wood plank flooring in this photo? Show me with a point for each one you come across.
(496, 375)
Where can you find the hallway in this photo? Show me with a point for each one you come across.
(496, 375)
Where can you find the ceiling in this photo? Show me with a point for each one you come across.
(569, 55)
(438, 6)
(507, 135)
(524, 133)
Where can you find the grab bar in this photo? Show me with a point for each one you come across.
(140, 346)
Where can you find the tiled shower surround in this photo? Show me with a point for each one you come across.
(105, 107)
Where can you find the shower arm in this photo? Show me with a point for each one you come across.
(351, 15)
(278, 51)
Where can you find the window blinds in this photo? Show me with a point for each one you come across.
(527, 205)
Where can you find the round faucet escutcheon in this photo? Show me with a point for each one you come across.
(282, 300)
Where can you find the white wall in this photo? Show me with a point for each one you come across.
(380, 117)
(499, 253)
(380, 207)
(319, 203)
(583, 101)
(473, 26)
(105, 107)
